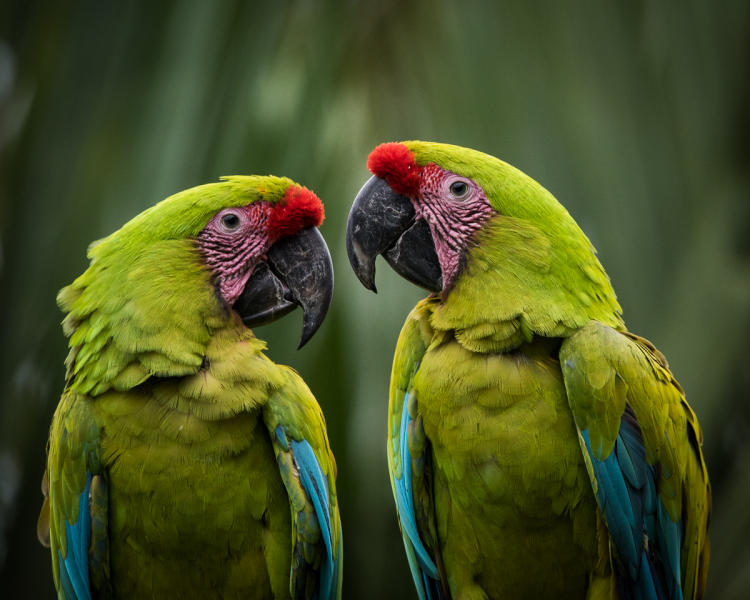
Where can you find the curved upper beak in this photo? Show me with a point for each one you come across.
(384, 222)
(298, 272)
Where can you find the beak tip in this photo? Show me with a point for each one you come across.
(367, 280)
(363, 265)
(310, 324)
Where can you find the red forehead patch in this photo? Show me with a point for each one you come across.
(395, 163)
(299, 208)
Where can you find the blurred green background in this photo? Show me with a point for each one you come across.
(634, 114)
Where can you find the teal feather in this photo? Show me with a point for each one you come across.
(405, 499)
(314, 483)
(75, 565)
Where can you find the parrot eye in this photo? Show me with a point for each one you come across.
(459, 189)
(230, 221)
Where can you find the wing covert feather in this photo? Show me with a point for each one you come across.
(75, 511)
(409, 461)
(642, 446)
(297, 430)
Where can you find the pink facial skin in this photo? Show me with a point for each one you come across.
(455, 208)
(233, 242)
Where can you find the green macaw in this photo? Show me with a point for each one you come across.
(182, 462)
(537, 449)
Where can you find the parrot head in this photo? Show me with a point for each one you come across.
(485, 238)
(245, 249)
(419, 217)
(255, 236)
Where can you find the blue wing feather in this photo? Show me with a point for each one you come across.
(315, 485)
(423, 568)
(74, 568)
(647, 541)
(65, 583)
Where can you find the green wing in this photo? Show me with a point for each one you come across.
(642, 446)
(297, 429)
(73, 520)
(410, 460)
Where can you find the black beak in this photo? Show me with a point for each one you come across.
(298, 272)
(384, 222)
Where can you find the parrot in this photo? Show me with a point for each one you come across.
(182, 462)
(536, 448)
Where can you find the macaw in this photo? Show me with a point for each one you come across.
(182, 462)
(536, 448)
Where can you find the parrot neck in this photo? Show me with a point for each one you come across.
(520, 281)
(132, 316)
(235, 377)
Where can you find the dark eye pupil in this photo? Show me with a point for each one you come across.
(459, 188)
(230, 221)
